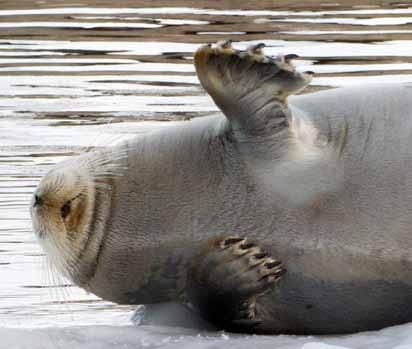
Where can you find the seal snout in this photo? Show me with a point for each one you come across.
(59, 201)
(38, 200)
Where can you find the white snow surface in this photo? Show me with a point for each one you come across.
(102, 337)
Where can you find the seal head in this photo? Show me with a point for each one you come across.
(67, 207)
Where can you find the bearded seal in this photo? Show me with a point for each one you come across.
(212, 212)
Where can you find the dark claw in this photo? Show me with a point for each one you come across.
(268, 278)
(256, 49)
(290, 56)
(231, 241)
(309, 72)
(247, 245)
(273, 264)
(275, 276)
(227, 43)
(260, 255)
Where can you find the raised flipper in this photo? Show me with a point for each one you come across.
(250, 88)
(290, 155)
(225, 279)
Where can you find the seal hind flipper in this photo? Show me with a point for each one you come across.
(249, 87)
(226, 277)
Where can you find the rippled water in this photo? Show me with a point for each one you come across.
(73, 76)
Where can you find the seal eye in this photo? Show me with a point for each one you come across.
(65, 209)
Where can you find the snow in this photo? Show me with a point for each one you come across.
(102, 337)
(169, 326)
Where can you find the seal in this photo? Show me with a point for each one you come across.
(213, 211)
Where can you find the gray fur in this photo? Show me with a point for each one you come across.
(191, 183)
(344, 235)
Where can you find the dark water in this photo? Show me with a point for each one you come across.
(75, 75)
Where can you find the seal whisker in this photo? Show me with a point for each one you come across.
(65, 259)
(53, 278)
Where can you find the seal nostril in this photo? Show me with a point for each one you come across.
(309, 72)
(38, 201)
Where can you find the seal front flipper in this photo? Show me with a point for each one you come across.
(250, 88)
(225, 279)
(289, 154)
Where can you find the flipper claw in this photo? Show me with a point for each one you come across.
(260, 255)
(230, 241)
(256, 50)
(289, 57)
(247, 245)
(249, 87)
(224, 46)
(227, 278)
(285, 61)
(271, 263)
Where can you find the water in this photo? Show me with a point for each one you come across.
(79, 75)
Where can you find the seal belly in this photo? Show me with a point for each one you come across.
(349, 268)
(303, 305)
